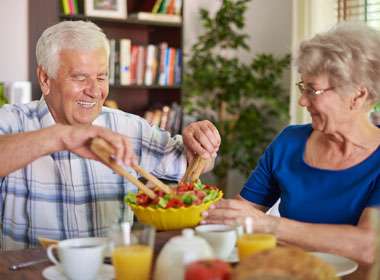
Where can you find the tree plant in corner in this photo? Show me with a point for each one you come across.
(245, 100)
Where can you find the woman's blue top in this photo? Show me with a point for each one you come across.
(310, 194)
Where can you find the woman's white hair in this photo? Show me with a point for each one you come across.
(77, 35)
(348, 53)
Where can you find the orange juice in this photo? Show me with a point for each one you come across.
(249, 244)
(132, 262)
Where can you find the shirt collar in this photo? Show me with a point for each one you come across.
(46, 119)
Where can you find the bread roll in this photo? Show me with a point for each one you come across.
(283, 263)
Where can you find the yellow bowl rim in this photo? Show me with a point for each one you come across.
(149, 208)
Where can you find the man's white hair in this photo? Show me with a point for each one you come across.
(76, 35)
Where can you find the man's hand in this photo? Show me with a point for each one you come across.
(201, 138)
(77, 139)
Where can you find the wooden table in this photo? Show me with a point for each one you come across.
(34, 272)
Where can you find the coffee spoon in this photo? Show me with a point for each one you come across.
(27, 264)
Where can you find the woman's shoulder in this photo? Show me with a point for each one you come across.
(295, 132)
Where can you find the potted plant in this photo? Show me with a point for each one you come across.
(246, 101)
(3, 99)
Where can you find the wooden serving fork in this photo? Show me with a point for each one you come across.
(194, 170)
(106, 153)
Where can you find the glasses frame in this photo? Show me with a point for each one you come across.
(310, 91)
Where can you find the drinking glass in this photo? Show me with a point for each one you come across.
(132, 251)
(250, 243)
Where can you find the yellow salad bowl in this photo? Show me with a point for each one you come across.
(172, 218)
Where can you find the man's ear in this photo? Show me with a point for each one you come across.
(43, 80)
(359, 99)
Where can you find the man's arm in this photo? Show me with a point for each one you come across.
(20, 149)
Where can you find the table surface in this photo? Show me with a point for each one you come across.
(9, 258)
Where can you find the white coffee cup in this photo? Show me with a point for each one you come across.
(222, 238)
(80, 258)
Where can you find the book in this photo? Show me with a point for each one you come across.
(161, 76)
(171, 7)
(133, 67)
(171, 65)
(65, 7)
(140, 65)
(111, 73)
(117, 63)
(163, 7)
(125, 62)
(178, 67)
(178, 7)
(157, 17)
(151, 65)
(156, 6)
(71, 7)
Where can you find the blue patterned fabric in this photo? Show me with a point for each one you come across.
(62, 195)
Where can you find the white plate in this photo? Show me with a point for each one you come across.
(54, 272)
(342, 265)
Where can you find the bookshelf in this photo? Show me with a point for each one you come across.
(132, 98)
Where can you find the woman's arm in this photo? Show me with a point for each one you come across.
(355, 242)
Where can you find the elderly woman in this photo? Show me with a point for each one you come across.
(326, 173)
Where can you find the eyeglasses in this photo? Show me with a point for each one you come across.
(309, 91)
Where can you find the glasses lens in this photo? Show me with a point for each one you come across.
(309, 91)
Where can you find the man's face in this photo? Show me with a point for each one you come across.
(80, 88)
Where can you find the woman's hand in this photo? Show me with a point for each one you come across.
(234, 211)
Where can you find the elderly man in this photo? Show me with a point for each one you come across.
(51, 183)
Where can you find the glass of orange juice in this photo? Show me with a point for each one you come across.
(132, 251)
(249, 244)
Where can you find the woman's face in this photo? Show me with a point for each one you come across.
(329, 110)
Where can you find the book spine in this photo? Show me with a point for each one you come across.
(111, 74)
(140, 65)
(117, 62)
(65, 7)
(76, 9)
(134, 54)
(163, 7)
(71, 7)
(163, 48)
(172, 55)
(150, 57)
(156, 6)
(178, 7)
(125, 62)
(178, 67)
(171, 7)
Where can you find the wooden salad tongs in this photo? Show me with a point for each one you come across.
(106, 153)
(194, 170)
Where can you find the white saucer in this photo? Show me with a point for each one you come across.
(342, 265)
(54, 272)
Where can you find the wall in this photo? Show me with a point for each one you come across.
(14, 42)
(309, 17)
(269, 24)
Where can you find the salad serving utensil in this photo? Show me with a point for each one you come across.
(194, 170)
(106, 153)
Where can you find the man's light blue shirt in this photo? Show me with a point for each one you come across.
(62, 195)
